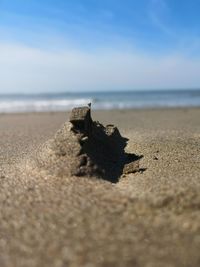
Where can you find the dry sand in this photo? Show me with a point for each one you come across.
(146, 219)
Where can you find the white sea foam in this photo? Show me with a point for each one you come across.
(106, 101)
(10, 106)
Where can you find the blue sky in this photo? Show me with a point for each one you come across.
(77, 45)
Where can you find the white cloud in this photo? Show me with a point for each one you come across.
(26, 69)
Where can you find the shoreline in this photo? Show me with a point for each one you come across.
(105, 110)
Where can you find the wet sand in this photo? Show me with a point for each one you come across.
(151, 218)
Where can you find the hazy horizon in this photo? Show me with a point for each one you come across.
(164, 90)
(58, 46)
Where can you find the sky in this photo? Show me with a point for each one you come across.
(98, 45)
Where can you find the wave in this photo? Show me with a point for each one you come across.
(10, 106)
(65, 105)
(101, 101)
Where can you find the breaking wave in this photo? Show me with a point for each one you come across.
(10, 106)
(103, 100)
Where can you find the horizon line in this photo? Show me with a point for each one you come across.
(101, 91)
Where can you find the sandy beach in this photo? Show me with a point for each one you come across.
(147, 219)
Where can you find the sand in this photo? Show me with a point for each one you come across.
(149, 218)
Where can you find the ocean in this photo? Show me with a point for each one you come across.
(10, 103)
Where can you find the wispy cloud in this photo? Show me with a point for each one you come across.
(184, 40)
(158, 11)
(157, 21)
(28, 69)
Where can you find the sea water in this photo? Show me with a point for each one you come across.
(100, 100)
